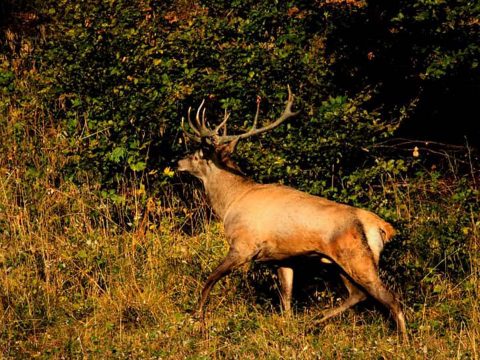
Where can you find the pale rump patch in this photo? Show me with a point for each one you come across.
(375, 241)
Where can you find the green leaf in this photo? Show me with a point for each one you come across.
(117, 154)
(139, 166)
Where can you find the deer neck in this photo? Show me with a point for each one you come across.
(223, 188)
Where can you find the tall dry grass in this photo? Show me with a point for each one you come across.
(77, 280)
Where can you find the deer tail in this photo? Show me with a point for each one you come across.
(387, 232)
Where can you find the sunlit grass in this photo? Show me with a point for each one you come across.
(74, 283)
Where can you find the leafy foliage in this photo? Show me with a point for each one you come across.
(120, 76)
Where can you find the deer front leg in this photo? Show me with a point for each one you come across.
(233, 260)
(285, 275)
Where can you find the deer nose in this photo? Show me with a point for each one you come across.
(181, 165)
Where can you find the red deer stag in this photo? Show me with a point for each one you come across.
(267, 222)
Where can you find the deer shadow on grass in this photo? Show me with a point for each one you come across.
(316, 287)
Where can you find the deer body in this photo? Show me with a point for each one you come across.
(266, 222)
(289, 222)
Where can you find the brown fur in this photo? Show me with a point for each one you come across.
(275, 222)
(389, 231)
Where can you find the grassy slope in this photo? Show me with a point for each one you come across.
(73, 283)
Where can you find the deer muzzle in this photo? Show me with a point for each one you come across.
(183, 165)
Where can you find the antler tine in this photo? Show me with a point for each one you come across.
(223, 123)
(197, 116)
(286, 114)
(204, 120)
(255, 119)
(290, 94)
(291, 97)
(201, 128)
(195, 130)
(187, 133)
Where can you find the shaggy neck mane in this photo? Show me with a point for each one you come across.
(231, 169)
(224, 186)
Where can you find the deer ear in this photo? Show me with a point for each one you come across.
(206, 151)
(230, 147)
(224, 151)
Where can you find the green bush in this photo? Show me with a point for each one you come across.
(120, 75)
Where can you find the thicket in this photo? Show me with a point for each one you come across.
(118, 76)
(91, 97)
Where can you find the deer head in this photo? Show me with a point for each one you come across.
(217, 148)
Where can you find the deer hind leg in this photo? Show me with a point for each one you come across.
(360, 267)
(233, 260)
(285, 275)
(355, 296)
(378, 290)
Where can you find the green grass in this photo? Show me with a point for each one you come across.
(75, 284)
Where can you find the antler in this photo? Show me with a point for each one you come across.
(202, 132)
